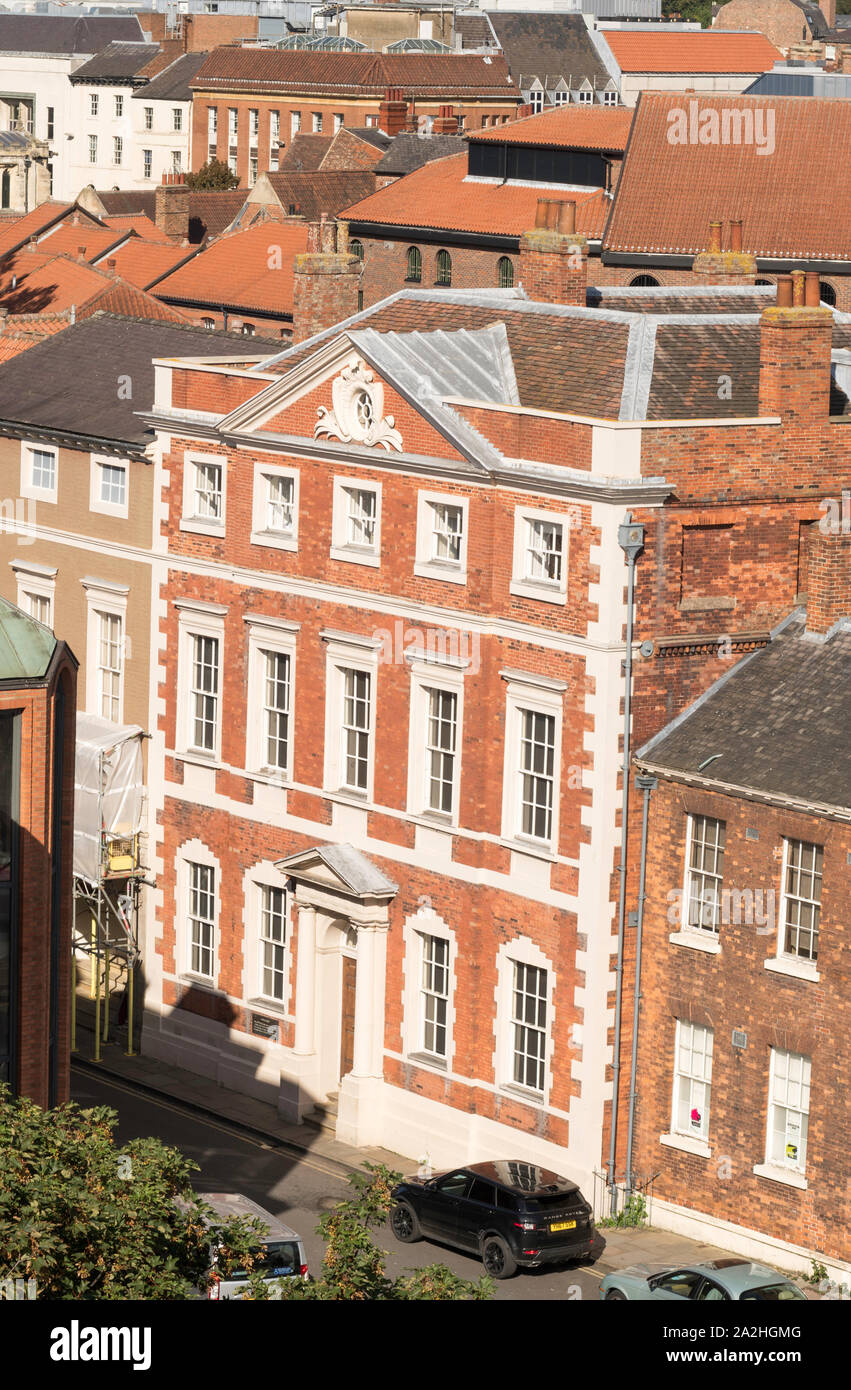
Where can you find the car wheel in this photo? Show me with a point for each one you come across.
(404, 1223)
(497, 1259)
(615, 1296)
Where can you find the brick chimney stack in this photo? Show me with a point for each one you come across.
(733, 266)
(828, 9)
(392, 112)
(828, 580)
(172, 207)
(446, 122)
(554, 256)
(326, 280)
(794, 354)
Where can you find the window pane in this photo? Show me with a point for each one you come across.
(205, 691)
(208, 490)
(113, 484)
(356, 719)
(692, 1078)
(201, 918)
(276, 708)
(544, 550)
(706, 871)
(440, 749)
(802, 899)
(279, 503)
(272, 940)
(529, 1017)
(446, 532)
(537, 756)
(43, 469)
(434, 994)
(109, 665)
(362, 512)
(789, 1109)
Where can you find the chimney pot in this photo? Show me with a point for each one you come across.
(736, 235)
(798, 290)
(784, 291)
(715, 236)
(812, 290)
(110, 265)
(567, 217)
(81, 252)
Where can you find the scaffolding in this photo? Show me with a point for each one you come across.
(108, 869)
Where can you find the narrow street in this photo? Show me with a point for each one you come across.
(296, 1191)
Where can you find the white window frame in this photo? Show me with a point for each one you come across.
(96, 504)
(119, 105)
(149, 117)
(316, 122)
(341, 547)
(426, 565)
(93, 149)
(103, 597)
(177, 119)
(426, 922)
(147, 164)
(295, 123)
(257, 878)
(521, 951)
(261, 534)
(347, 653)
(204, 526)
(267, 635)
(547, 590)
(94, 102)
(539, 695)
(196, 619)
(428, 675)
(698, 1135)
(808, 962)
(190, 853)
(711, 933)
(117, 151)
(28, 488)
(790, 1171)
(36, 581)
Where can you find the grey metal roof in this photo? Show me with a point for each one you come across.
(172, 84)
(26, 646)
(777, 724)
(791, 80)
(41, 388)
(31, 33)
(116, 61)
(15, 140)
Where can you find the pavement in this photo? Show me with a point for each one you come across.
(260, 1121)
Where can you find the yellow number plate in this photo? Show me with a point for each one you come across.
(564, 1226)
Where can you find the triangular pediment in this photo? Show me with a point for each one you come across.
(341, 868)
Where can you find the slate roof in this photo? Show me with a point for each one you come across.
(357, 74)
(328, 192)
(410, 151)
(235, 271)
(779, 720)
(307, 151)
(628, 366)
(41, 388)
(439, 196)
(172, 84)
(694, 51)
(682, 299)
(115, 62)
(29, 33)
(668, 193)
(566, 127)
(536, 45)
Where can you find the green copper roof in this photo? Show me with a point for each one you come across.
(26, 646)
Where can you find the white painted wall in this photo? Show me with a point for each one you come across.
(43, 78)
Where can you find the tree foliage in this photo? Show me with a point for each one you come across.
(88, 1220)
(354, 1267)
(694, 11)
(214, 174)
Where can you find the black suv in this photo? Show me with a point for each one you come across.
(509, 1213)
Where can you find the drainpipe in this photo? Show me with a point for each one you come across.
(646, 784)
(631, 542)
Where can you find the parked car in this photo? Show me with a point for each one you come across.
(511, 1214)
(283, 1255)
(717, 1281)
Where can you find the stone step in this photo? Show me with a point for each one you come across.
(324, 1114)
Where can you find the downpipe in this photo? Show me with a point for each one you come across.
(647, 785)
(631, 542)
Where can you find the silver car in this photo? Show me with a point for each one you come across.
(717, 1281)
(283, 1250)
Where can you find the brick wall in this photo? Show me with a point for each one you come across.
(385, 266)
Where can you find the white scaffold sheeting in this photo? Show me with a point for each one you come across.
(107, 788)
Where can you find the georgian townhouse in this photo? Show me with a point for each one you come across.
(397, 563)
(742, 1110)
(161, 123)
(102, 112)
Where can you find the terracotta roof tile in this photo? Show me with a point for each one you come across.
(568, 127)
(328, 191)
(31, 224)
(69, 236)
(668, 193)
(710, 50)
(238, 270)
(440, 196)
(307, 151)
(143, 263)
(141, 224)
(359, 74)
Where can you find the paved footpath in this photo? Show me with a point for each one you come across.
(260, 1121)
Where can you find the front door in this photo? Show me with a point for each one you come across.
(347, 1016)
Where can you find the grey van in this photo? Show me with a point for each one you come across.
(283, 1255)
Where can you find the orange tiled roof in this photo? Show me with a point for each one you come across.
(241, 270)
(569, 126)
(140, 223)
(143, 263)
(794, 199)
(69, 236)
(707, 50)
(32, 223)
(439, 196)
(439, 75)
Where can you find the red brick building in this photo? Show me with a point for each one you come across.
(249, 103)
(394, 581)
(38, 680)
(742, 1108)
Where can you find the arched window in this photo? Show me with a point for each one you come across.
(208, 323)
(444, 268)
(763, 282)
(504, 273)
(356, 249)
(248, 330)
(415, 265)
(827, 293)
(644, 282)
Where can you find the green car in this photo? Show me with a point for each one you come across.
(717, 1281)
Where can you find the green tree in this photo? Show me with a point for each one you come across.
(89, 1220)
(212, 175)
(695, 11)
(354, 1267)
